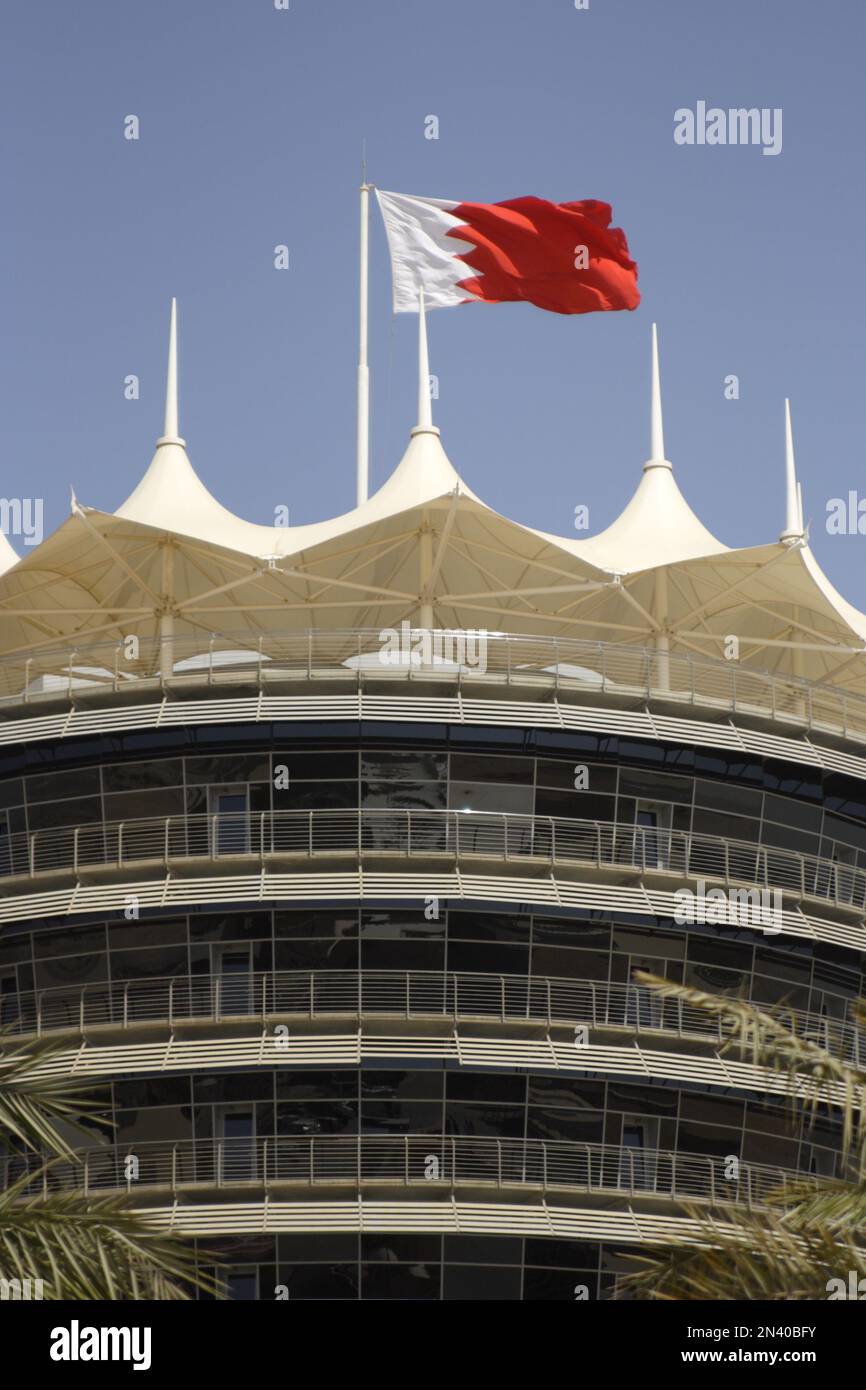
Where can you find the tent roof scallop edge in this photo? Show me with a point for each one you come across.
(789, 612)
(171, 494)
(656, 526)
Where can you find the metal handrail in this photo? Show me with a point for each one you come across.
(431, 834)
(415, 994)
(422, 1160)
(570, 664)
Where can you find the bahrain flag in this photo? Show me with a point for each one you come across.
(564, 257)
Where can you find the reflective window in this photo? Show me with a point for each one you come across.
(242, 1284)
(316, 924)
(483, 767)
(730, 827)
(481, 1284)
(488, 957)
(401, 926)
(394, 1247)
(432, 796)
(11, 792)
(169, 801)
(560, 773)
(77, 970)
(408, 1085)
(54, 786)
(402, 955)
(315, 955)
(657, 786)
(50, 814)
(319, 1282)
(387, 765)
(156, 772)
(316, 796)
(229, 767)
(487, 926)
(725, 796)
(473, 796)
(403, 1282)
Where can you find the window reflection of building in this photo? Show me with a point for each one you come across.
(806, 974)
(428, 779)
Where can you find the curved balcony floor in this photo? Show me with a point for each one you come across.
(543, 1218)
(562, 890)
(510, 1000)
(272, 837)
(415, 705)
(432, 1162)
(624, 675)
(549, 1052)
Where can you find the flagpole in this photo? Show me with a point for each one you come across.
(363, 424)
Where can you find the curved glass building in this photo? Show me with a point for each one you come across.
(332, 854)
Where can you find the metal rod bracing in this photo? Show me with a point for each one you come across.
(424, 1160)
(512, 1000)
(569, 663)
(454, 835)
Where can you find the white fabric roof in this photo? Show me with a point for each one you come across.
(657, 522)
(656, 526)
(655, 572)
(8, 554)
(171, 492)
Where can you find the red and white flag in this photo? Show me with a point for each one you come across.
(564, 257)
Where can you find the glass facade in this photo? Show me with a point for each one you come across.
(483, 1103)
(708, 794)
(230, 776)
(418, 1267)
(813, 976)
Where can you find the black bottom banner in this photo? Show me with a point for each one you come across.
(249, 1340)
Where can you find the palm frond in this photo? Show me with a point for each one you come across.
(31, 1103)
(808, 1233)
(768, 1039)
(757, 1256)
(82, 1248)
(836, 1205)
(85, 1249)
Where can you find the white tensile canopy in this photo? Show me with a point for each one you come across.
(173, 566)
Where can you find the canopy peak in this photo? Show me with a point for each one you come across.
(425, 405)
(170, 434)
(657, 433)
(794, 528)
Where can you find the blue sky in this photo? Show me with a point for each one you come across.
(251, 122)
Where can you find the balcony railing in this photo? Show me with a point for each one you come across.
(428, 835)
(310, 994)
(429, 1162)
(359, 656)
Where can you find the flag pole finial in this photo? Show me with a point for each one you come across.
(794, 528)
(657, 433)
(170, 433)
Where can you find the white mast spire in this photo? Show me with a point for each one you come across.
(793, 502)
(363, 416)
(170, 433)
(657, 433)
(425, 409)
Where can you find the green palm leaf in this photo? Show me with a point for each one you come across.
(809, 1233)
(757, 1257)
(80, 1247)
